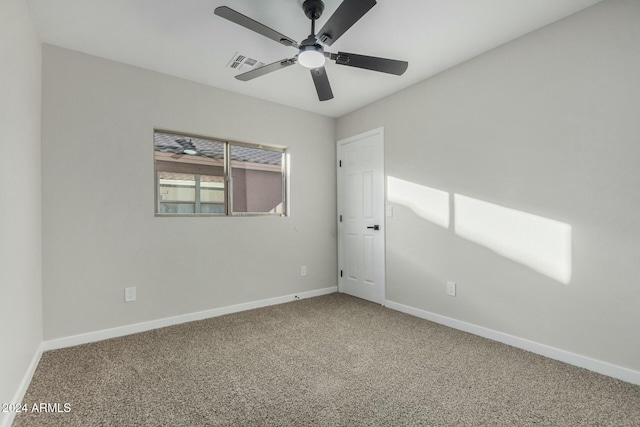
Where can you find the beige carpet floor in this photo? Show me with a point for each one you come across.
(330, 361)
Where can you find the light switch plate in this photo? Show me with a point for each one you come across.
(130, 294)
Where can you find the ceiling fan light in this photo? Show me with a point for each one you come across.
(311, 57)
(187, 146)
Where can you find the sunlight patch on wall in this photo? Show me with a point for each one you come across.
(540, 243)
(428, 203)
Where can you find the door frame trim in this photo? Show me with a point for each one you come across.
(380, 130)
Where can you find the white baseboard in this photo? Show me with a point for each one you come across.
(175, 320)
(8, 417)
(594, 365)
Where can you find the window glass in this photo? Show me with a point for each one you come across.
(177, 192)
(257, 180)
(189, 175)
(212, 194)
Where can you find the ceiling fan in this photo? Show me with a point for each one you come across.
(311, 54)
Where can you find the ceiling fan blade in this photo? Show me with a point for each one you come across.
(245, 21)
(321, 81)
(347, 14)
(383, 65)
(275, 66)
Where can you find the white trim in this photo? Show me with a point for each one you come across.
(574, 359)
(24, 385)
(175, 320)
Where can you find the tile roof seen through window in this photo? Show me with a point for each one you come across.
(170, 143)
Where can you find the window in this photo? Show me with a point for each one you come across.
(202, 176)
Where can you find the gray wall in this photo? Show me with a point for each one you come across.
(99, 230)
(20, 191)
(545, 125)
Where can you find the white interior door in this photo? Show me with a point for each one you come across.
(361, 216)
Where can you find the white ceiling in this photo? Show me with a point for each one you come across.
(185, 39)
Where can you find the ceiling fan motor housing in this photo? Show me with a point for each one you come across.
(313, 8)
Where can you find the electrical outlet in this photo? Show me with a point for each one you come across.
(451, 288)
(130, 294)
(303, 270)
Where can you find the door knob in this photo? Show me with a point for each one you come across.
(375, 227)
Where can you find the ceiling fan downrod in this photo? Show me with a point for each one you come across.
(311, 54)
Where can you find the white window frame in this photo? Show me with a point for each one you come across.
(227, 165)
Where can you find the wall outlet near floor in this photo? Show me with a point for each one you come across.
(451, 288)
(130, 294)
(303, 270)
